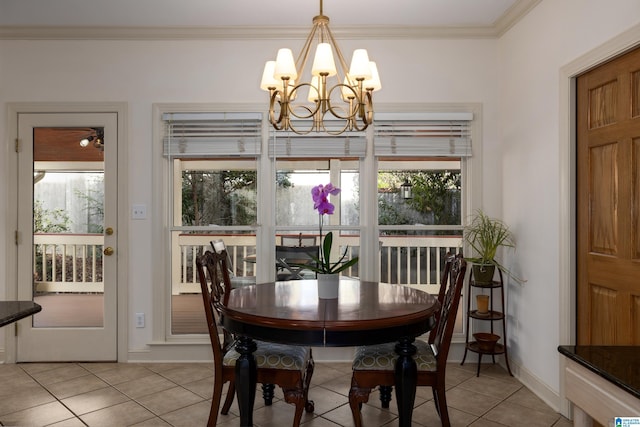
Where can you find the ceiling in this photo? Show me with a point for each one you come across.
(489, 17)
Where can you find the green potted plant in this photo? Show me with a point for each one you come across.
(485, 235)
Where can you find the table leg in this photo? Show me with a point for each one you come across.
(246, 377)
(406, 379)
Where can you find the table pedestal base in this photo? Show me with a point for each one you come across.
(406, 379)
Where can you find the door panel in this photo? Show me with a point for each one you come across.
(67, 211)
(608, 203)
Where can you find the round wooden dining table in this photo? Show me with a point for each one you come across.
(364, 313)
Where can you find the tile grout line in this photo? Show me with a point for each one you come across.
(76, 416)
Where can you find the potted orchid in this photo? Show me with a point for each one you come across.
(327, 270)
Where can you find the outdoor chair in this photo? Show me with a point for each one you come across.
(375, 365)
(299, 255)
(290, 367)
(298, 240)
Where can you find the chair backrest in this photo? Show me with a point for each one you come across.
(219, 246)
(444, 281)
(449, 310)
(215, 285)
(297, 240)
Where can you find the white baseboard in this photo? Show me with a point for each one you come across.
(539, 388)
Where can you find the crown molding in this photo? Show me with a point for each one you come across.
(22, 32)
(514, 14)
(235, 33)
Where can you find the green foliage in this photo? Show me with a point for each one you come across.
(218, 197)
(486, 235)
(436, 198)
(49, 220)
(323, 264)
(94, 200)
(283, 180)
(437, 192)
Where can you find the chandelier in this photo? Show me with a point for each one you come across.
(328, 99)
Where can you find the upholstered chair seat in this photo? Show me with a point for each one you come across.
(382, 357)
(270, 355)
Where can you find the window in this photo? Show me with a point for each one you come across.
(214, 180)
(228, 178)
(416, 232)
(295, 215)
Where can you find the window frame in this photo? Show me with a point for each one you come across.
(266, 228)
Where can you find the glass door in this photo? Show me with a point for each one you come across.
(67, 256)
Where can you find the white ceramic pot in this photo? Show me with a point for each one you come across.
(328, 286)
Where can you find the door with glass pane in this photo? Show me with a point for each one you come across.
(67, 247)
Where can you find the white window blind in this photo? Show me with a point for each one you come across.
(319, 146)
(289, 144)
(212, 134)
(423, 134)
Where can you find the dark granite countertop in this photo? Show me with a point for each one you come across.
(11, 311)
(618, 364)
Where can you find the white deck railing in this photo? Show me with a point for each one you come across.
(410, 260)
(73, 262)
(68, 263)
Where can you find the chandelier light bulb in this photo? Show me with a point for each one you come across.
(323, 62)
(360, 65)
(285, 66)
(373, 83)
(268, 80)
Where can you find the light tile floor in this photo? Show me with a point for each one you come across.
(116, 394)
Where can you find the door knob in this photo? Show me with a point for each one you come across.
(108, 231)
(108, 251)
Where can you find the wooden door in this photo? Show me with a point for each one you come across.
(608, 203)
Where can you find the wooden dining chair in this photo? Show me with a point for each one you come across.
(444, 282)
(236, 281)
(385, 391)
(290, 367)
(375, 365)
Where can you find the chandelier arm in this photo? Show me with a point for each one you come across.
(368, 118)
(277, 124)
(352, 111)
(309, 112)
(343, 63)
(345, 126)
(293, 108)
(297, 131)
(301, 62)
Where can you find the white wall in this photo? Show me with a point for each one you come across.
(145, 72)
(532, 55)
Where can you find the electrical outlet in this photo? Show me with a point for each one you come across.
(138, 212)
(139, 320)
